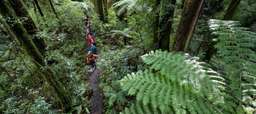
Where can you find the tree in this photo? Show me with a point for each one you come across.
(231, 9)
(38, 7)
(53, 9)
(162, 23)
(165, 24)
(29, 25)
(204, 38)
(105, 8)
(109, 3)
(24, 38)
(100, 9)
(156, 12)
(190, 15)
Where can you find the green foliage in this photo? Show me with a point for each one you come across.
(125, 5)
(167, 83)
(40, 106)
(21, 85)
(116, 63)
(174, 83)
(4, 41)
(236, 59)
(246, 12)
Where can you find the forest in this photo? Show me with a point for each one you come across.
(127, 56)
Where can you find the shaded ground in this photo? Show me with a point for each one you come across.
(96, 99)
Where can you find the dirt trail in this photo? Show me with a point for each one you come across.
(96, 99)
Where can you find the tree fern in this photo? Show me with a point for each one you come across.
(124, 5)
(132, 5)
(174, 83)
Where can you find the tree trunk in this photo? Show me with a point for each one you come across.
(39, 8)
(156, 24)
(109, 2)
(165, 24)
(182, 3)
(100, 10)
(205, 43)
(6, 29)
(212, 7)
(25, 40)
(231, 9)
(190, 14)
(28, 23)
(18, 29)
(53, 8)
(105, 5)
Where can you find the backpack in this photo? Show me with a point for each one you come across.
(90, 58)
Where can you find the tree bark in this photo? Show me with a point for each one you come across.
(206, 44)
(231, 9)
(105, 5)
(28, 23)
(165, 24)
(18, 29)
(39, 8)
(6, 29)
(156, 24)
(100, 10)
(182, 3)
(109, 2)
(25, 39)
(53, 8)
(190, 15)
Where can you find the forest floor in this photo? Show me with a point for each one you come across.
(96, 99)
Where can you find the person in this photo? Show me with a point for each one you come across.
(90, 39)
(87, 22)
(92, 56)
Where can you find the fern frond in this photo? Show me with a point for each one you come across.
(174, 83)
(130, 6)
(237, 58)
(140, 108)
(124, 5)
(184, 69)
(149, 88)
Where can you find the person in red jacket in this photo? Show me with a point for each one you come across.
(90, 39)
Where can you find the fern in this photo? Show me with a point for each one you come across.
(140, 108)
(131, 6)
(174, 83)
(124, 5)
(236, 56)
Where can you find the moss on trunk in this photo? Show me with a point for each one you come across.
(24, 38)
(28, 23)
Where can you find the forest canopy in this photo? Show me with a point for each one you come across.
(127, 56)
